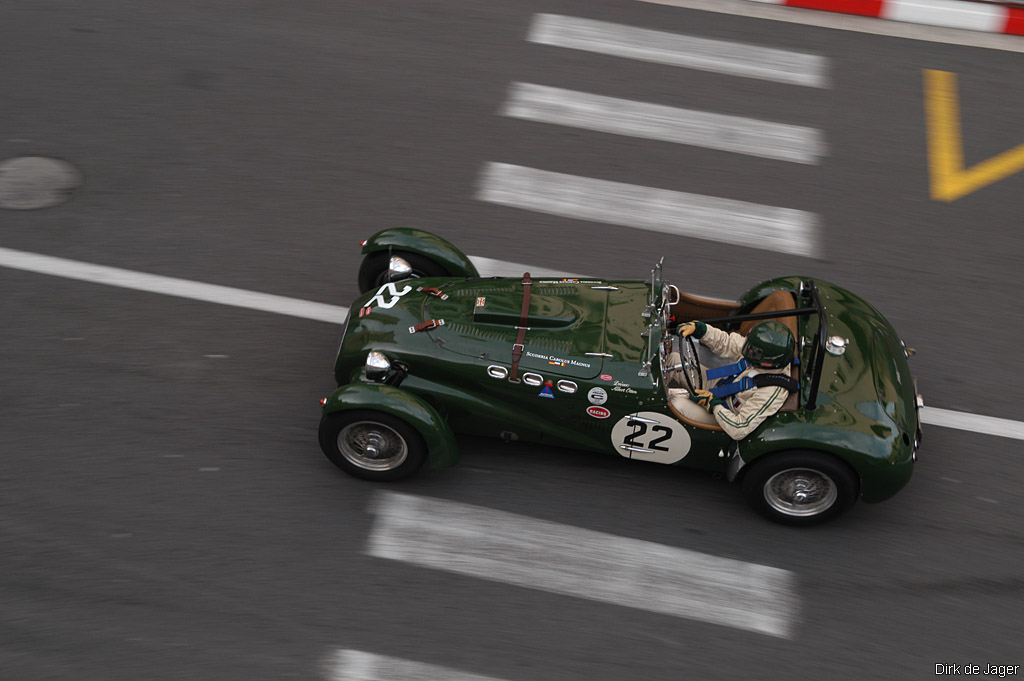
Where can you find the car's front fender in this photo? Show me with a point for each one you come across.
(438, 249)
(442, 449)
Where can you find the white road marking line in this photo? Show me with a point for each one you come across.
(657, 210)
(181, 288)
(356, 665)
(705, 54)
(539, 554)
(335, 314)
(669, 124)
(846, 22)
(488, 267)
(976, 423)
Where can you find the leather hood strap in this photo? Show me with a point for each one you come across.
(524, 315)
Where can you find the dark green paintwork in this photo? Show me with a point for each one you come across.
(438, 249)
(865, 413)
(866, 410)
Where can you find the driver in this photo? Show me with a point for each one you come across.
(737, 403)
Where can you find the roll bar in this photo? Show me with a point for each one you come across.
(808, 290)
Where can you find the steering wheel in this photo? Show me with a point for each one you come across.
(692, 371)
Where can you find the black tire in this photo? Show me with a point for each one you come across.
(800, 487)
(345, 438)
(373, 273)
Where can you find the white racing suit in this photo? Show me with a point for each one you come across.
(745, 410)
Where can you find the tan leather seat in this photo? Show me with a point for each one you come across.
(780, 300)
(689, 412)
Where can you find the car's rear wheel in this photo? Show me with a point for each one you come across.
(372, 445)
(800, 487)
(373, 273)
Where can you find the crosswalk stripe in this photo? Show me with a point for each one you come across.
(356, 665)
(659, 210)
(538, 554)
(669, 124)
(705, 54)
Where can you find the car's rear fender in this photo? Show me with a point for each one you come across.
(442, 449)
(440, 250)
(882, 466)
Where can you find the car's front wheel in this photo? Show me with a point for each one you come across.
(372, 445)
(373, 273)
(800, 487)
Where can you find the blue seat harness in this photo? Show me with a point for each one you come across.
(734, 384)
(731, 372)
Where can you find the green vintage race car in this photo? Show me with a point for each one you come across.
(431, 349)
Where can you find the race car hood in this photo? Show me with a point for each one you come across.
(573, 325)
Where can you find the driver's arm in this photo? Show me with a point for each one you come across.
(727, 345)
(755, 409)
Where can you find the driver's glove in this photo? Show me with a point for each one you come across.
(705, 399)
(695, 329)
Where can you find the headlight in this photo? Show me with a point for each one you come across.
(377, 365)
(398, 268)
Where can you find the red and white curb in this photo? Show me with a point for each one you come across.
(974, 16)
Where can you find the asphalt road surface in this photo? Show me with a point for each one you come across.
(166, 512)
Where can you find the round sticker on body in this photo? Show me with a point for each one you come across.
(650, 436)
(597, 396)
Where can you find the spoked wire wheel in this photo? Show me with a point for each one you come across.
(371, 444)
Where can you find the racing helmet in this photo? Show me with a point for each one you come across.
(770, 345)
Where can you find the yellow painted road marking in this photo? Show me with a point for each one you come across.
(949, 179)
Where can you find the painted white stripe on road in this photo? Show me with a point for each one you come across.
(705, 54)
(657, 210)
(214, 293)
(335, 314)
(356, 665)
(974, 16)
(657, 122)
(846, 22)
(488, 267)
(181, 288)
(539, 554)
(976, 423)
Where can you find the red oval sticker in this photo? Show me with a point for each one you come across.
(606, 377)
(598, 412)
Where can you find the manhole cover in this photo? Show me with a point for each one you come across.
(31, 182)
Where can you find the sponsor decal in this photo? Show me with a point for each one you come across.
(570, 281)
(481, 301)
(391, 289)
(597, 396)
(558, 361)
(621, 387)
(606, 377)
(363, 311)
(598, 412)
(546, 392)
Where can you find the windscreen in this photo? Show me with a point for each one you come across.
(657, 318)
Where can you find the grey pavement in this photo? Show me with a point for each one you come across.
(165, 510)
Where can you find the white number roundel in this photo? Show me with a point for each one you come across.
(650, 436)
